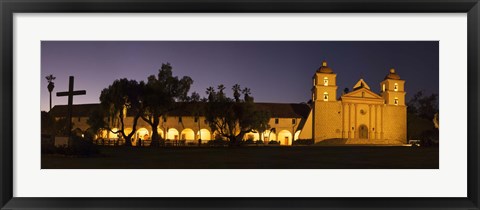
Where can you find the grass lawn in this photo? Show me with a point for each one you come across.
(300, 157)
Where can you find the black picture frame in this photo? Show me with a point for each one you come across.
(9, 7)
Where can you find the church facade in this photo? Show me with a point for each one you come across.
(360, 116)
(357, 117)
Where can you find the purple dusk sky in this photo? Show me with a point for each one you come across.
(275, 71)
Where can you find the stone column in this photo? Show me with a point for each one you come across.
(349, 121)
(355, 132)
(376, 121)
(381, 114)
(343, 120)
(370, 121)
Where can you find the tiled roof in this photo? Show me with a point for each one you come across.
(279, 110)
(285, 110)
(79, 110)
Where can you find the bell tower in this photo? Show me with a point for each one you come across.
(326, 108)
(393, 89)
(324, 84)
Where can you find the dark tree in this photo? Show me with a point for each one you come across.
(236, 92)
(52, 126)
(423, 106)
(422, 112)
(47, 123)
(120, 98)
(96, 121)
(160, 97)
(233, 118)
(50, 87)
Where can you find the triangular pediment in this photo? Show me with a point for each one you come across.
(361, 84)
(362, 92)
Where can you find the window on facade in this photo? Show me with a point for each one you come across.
(276, 120)
(325, 81)
(78, 119)
(314, 81)
(196, 119)
(395, 87)
(395, 101)
(294, 121)
(179, 119)
(325, 96)
(383, 87)
(164, 119)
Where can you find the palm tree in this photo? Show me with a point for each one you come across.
(50, 87)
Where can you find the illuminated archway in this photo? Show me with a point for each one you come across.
(187, 134)
(251, 136)
(269, 136)
(160, 132)
(204, 134)
(112, 134)
(143, 134)
(128, 131)
(103, 134)
(297, 134)
(285, 137)
(172, 134)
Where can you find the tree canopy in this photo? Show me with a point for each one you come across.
(160, 96)
(120, 97)
(422, 117)
(233, 118)
(424, 106)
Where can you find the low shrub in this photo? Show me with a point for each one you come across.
(78, 146)
(249, 141)
(274, 142)
(303, 142)
(48, 148)
(47, 144)
(217, 142)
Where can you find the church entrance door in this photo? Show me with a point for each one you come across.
(363, 132)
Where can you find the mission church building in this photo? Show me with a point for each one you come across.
(357, 117)
(360, 116)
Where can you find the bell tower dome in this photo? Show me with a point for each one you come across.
(324, 84)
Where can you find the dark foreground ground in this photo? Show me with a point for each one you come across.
(301, 157)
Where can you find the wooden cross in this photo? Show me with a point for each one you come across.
(70, 93)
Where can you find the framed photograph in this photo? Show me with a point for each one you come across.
(263, 104)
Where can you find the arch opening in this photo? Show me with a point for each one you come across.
(172, 134)
(204, 135)
(285, 137)
(363, 132)
(187, 134)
